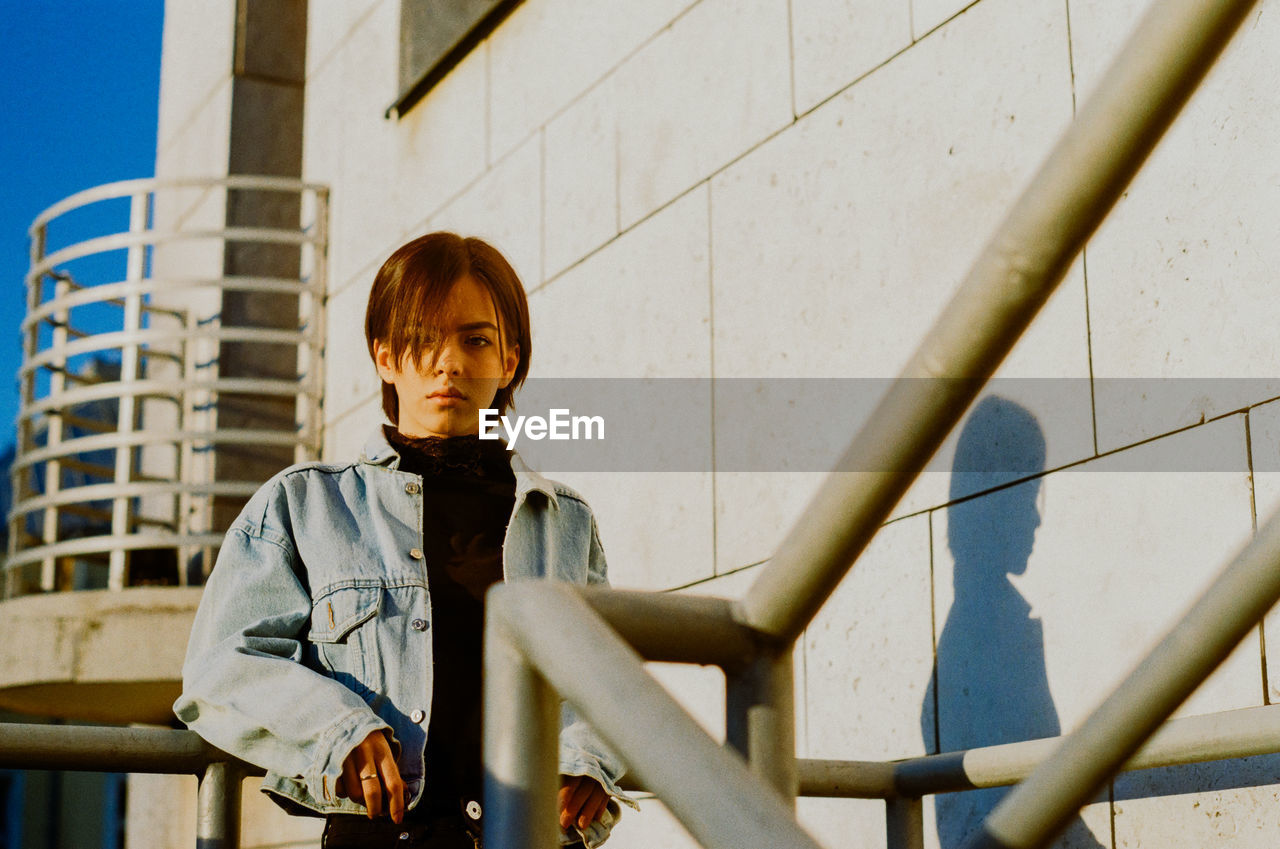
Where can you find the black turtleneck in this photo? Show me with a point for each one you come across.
(468, 491)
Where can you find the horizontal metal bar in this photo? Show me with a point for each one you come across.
(709, 789)
(170, 389)
(137, 438)
(101, 544)
(1238, 599)
(121, 338)
(1019, 268)
(120, 241)
(110, 292)
(675, 627)
(108, 749)
(125, 188)
(106, 491)
(1196, 739)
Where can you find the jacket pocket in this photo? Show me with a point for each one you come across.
(343, 630)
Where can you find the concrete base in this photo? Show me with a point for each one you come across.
(96, 655)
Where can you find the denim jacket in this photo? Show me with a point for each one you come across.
(314, 628)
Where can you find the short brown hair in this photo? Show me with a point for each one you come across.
(412, 285)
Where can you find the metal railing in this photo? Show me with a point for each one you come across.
(1234, 734)
(122, 377)
(535, 633)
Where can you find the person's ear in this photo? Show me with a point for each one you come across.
(382, 360)
(510, 365)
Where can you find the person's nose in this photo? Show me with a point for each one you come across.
(449, 361)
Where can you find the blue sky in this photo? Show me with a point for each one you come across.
(81, 86)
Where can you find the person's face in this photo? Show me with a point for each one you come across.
(444, 397)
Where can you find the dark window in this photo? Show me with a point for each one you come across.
(435, 35)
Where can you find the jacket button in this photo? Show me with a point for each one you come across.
(417, 716)
(418, 624)
(415, 553)
(412, 488)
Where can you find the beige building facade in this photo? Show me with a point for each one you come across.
(778, 190)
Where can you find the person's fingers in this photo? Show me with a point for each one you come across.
(371, 783)
(563, 798)
(578, 801)
(595, 806)
(391, 780)
(349, 783)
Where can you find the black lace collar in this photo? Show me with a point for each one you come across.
(451, 455)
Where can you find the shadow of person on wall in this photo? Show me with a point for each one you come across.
(990, 685)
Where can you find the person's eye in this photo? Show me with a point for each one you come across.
(479, 341)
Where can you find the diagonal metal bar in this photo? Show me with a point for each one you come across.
(709, 789)
(1017, 271)
(1035, 811)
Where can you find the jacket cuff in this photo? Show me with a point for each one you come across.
(335, 743)
(597, 832)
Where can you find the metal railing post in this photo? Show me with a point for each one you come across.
(136, 269)
(709, 789)
(521, 748)
(1019, 268)
(904, 822)
(54, 429)
(218, 807)
(760, 720)
(1043, 804)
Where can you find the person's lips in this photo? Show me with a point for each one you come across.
(449, 392)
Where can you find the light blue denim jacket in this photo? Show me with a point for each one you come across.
(304, 642)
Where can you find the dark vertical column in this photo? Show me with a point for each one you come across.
(266, 139)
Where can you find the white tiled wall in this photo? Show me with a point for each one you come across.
(644, 168)
(1183, 271)
(703, 92)
(836, 41)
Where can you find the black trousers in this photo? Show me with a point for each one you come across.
(430, 831)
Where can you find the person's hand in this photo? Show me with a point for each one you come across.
(371, 778)
(582, 801)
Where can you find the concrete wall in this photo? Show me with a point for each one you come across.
(792, 188)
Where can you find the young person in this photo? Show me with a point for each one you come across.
(338, 641)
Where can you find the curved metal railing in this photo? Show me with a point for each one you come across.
(156, 344)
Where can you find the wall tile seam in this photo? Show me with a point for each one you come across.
(861, 77)
(419, 226)
(188, 211)
(622, 231)
(940, 24)
(711, 366)
(582, 95)
(341, 43)
(192, 114)
(1073, 463)
(699, 581)
(719, 170)
(791, 52)
(369, 400)
(652, 214)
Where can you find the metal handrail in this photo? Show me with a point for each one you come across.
(131, 188)
(113, 291)
(1197, 739)
(1137, 100)
(172, 377)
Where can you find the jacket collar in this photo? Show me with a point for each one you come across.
(379, 452)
